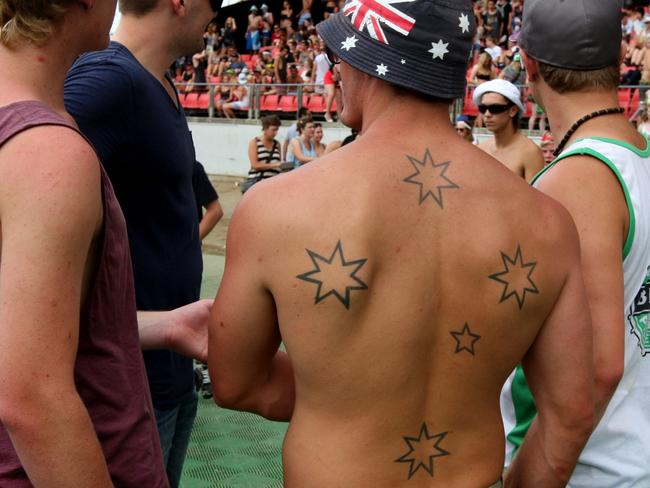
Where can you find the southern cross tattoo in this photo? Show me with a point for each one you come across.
(516, 277)
(422, 451)
(430, 177)
(334, 276)
(465, 340)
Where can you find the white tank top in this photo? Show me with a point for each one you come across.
(618, 452)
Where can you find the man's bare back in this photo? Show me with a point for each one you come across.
(521, 156)
(406, 290)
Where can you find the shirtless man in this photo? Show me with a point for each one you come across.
(500, 103)
(401, 326)
(602, 177)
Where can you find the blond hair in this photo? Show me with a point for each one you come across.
(31, 20)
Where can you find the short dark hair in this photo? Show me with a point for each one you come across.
(270, 121)
(563, 80)
(137, 7)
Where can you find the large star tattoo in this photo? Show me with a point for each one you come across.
(430, 177)
(465, 340)
(334, 276)
(422, 451)
(516, 278)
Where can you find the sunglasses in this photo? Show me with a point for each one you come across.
(497, 108)
(332, 58)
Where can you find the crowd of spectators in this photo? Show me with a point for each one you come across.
(280, 52)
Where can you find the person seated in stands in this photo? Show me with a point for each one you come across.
(236, 64)
(225, 93)
(264, 153)
(319, 147)
(483, 71)
(213, 62)
(302, 147)
(188, 78)
(241, 95)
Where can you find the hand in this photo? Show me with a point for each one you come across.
(187, 331)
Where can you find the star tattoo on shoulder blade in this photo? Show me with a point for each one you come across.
(423, 450)
(334, 276)
(516, 278)
(430, 177)
(465, 340)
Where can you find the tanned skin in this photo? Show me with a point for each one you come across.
(405, 288)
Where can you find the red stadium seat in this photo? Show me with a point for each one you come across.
(191, 101)
(204, 101)
(215, 79)
(288, 103)
(270, 103)
(316, 104)
(245, 57)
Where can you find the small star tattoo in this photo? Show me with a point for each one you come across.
(516, 277)
(349, 43)
(334, 276)
(430, 177)
(439, 49)
(465, 340)
(422, 452)
(464, 23)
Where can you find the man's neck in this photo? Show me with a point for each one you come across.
(564, 110)
(505, 136)
(145, 38)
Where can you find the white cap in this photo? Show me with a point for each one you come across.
(502, 87)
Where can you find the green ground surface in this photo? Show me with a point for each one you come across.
(227, 448)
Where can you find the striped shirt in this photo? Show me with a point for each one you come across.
(266, 156)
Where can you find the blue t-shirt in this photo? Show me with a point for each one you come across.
(145, 145)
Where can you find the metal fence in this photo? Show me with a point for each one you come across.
(632, 97)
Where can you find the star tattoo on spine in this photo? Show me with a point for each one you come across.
(422, 451)
(516, 277)
(334, 276)
(465, 340)
(430, 177)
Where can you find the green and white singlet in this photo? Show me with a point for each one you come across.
(618, 452)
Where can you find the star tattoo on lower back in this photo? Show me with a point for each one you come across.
(423, 450)
(431, 178)
(516, 278)
(465, 340)
(334, 276)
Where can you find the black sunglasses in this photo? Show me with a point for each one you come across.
(332, 58)
(496, 108)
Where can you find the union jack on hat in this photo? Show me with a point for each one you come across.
(422, 45)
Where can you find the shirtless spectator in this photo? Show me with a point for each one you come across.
(499, 102)
(404, 287)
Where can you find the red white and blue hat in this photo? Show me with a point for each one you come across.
(422, 45)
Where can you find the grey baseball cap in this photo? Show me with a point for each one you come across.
(422, 45)
(573, 34)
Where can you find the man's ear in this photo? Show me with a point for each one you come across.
(532, 67)
(178, 6)
(513, 111)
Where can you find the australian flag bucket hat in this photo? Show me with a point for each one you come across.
(422, 45)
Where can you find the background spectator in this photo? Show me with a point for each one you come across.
(264, 153)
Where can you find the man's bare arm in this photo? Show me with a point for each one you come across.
(50, 208)
(184, 329)
(247, 370)
(212, 216)
(588, 189)
(559, 370)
